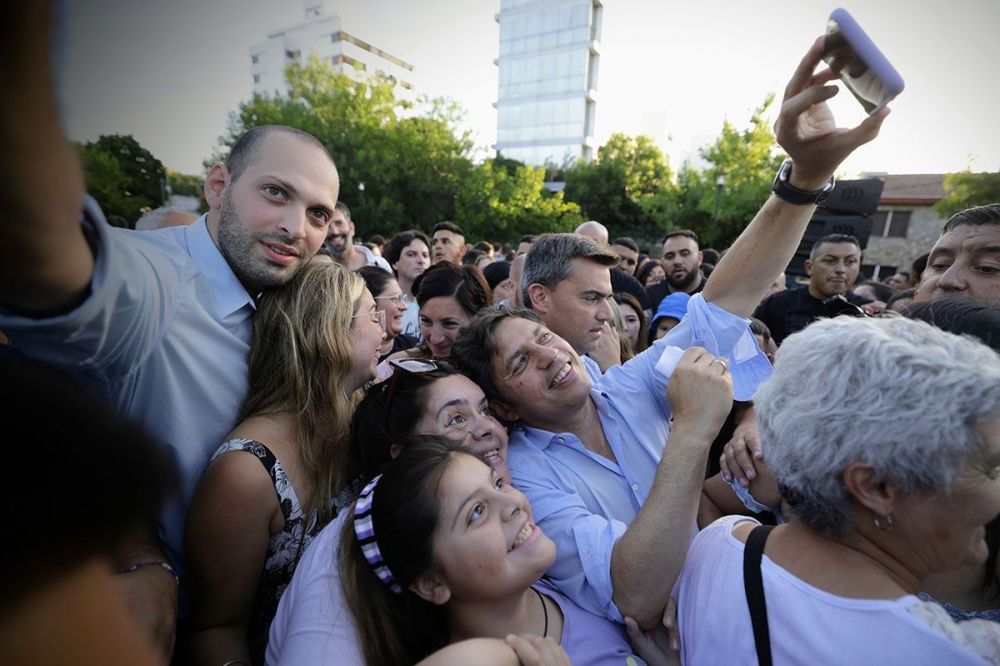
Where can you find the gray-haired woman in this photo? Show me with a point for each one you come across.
(884, 438)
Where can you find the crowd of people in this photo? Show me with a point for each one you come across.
(561, 450)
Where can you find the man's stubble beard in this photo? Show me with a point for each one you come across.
(684, 283)
(239, 249)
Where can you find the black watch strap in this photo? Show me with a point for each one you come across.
(785, 191)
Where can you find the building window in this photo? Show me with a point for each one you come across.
(256, 78)
(891, 223)
(292, 55)
(254, 58)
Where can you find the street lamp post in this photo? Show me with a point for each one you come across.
(720, 183)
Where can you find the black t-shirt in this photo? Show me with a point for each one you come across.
(661, 290)
(625, 283)
(790, 311)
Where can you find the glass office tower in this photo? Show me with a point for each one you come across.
(549, 54)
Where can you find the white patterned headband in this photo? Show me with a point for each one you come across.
(365, 530)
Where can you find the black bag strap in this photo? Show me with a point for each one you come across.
(753, 583)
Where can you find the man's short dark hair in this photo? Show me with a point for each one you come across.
(833, 238)
(247, 147)
(344, 210)
(448, 226)
(548, 261)
(527, 238)
(963, 316)
(976, 216)
(686, 233)
(630, 243)
(477, 346)
(400, 242)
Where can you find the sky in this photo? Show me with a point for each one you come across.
(171, 72)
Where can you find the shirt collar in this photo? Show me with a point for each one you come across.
(544, 438)
(230, 295)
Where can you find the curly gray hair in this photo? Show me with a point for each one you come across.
(897, 394)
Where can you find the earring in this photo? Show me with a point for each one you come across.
(888, 522)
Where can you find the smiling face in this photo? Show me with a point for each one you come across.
(274, 217)
(537, 373)
(965, 261)
(366, 339)
(340, 237)
(390, 299)
(441, 320)
(577, 308)
(834, 269)
(486, 545)
(413, 260)
(457, 408)
(944, 533)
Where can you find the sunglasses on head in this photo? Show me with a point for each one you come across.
(411, 366)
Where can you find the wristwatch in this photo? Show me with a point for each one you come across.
(787, 192)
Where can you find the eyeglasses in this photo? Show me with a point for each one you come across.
(376, 316)
(398, 299)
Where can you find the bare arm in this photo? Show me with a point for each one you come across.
(48, 262)
(150, 592)
(226, 542)
(807, 131)
(648, 558)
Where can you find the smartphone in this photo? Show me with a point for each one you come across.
(849, 52)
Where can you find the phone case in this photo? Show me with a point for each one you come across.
(872, 56)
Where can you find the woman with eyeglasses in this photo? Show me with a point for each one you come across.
(274, 484)
(390, 298)
(449, 297)
(422, 397)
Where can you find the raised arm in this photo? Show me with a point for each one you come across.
(48, 263)
(808, 132)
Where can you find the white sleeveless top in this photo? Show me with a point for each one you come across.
(808, 625)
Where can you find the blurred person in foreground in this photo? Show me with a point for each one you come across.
(883, 491)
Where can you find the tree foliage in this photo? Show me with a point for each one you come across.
(124, 178)
(504, 199)
(399, 169)
(612, 189)
(967, 189)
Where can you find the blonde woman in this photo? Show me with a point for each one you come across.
(271, 487)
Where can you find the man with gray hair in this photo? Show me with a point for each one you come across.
(567, 281)
(163, 217)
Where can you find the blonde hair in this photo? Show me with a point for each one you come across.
(299, 364)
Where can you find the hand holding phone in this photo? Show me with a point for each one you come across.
(867, 73)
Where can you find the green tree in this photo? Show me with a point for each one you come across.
(124, 178)
(966, 189)
(614, 188)
(502, 200)
(746, 159)
(401, 166)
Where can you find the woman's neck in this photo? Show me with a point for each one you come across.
(521, 614)
(857, 566)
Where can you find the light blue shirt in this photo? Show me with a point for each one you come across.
(592, 368)
(164, 336)
(583, 501)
